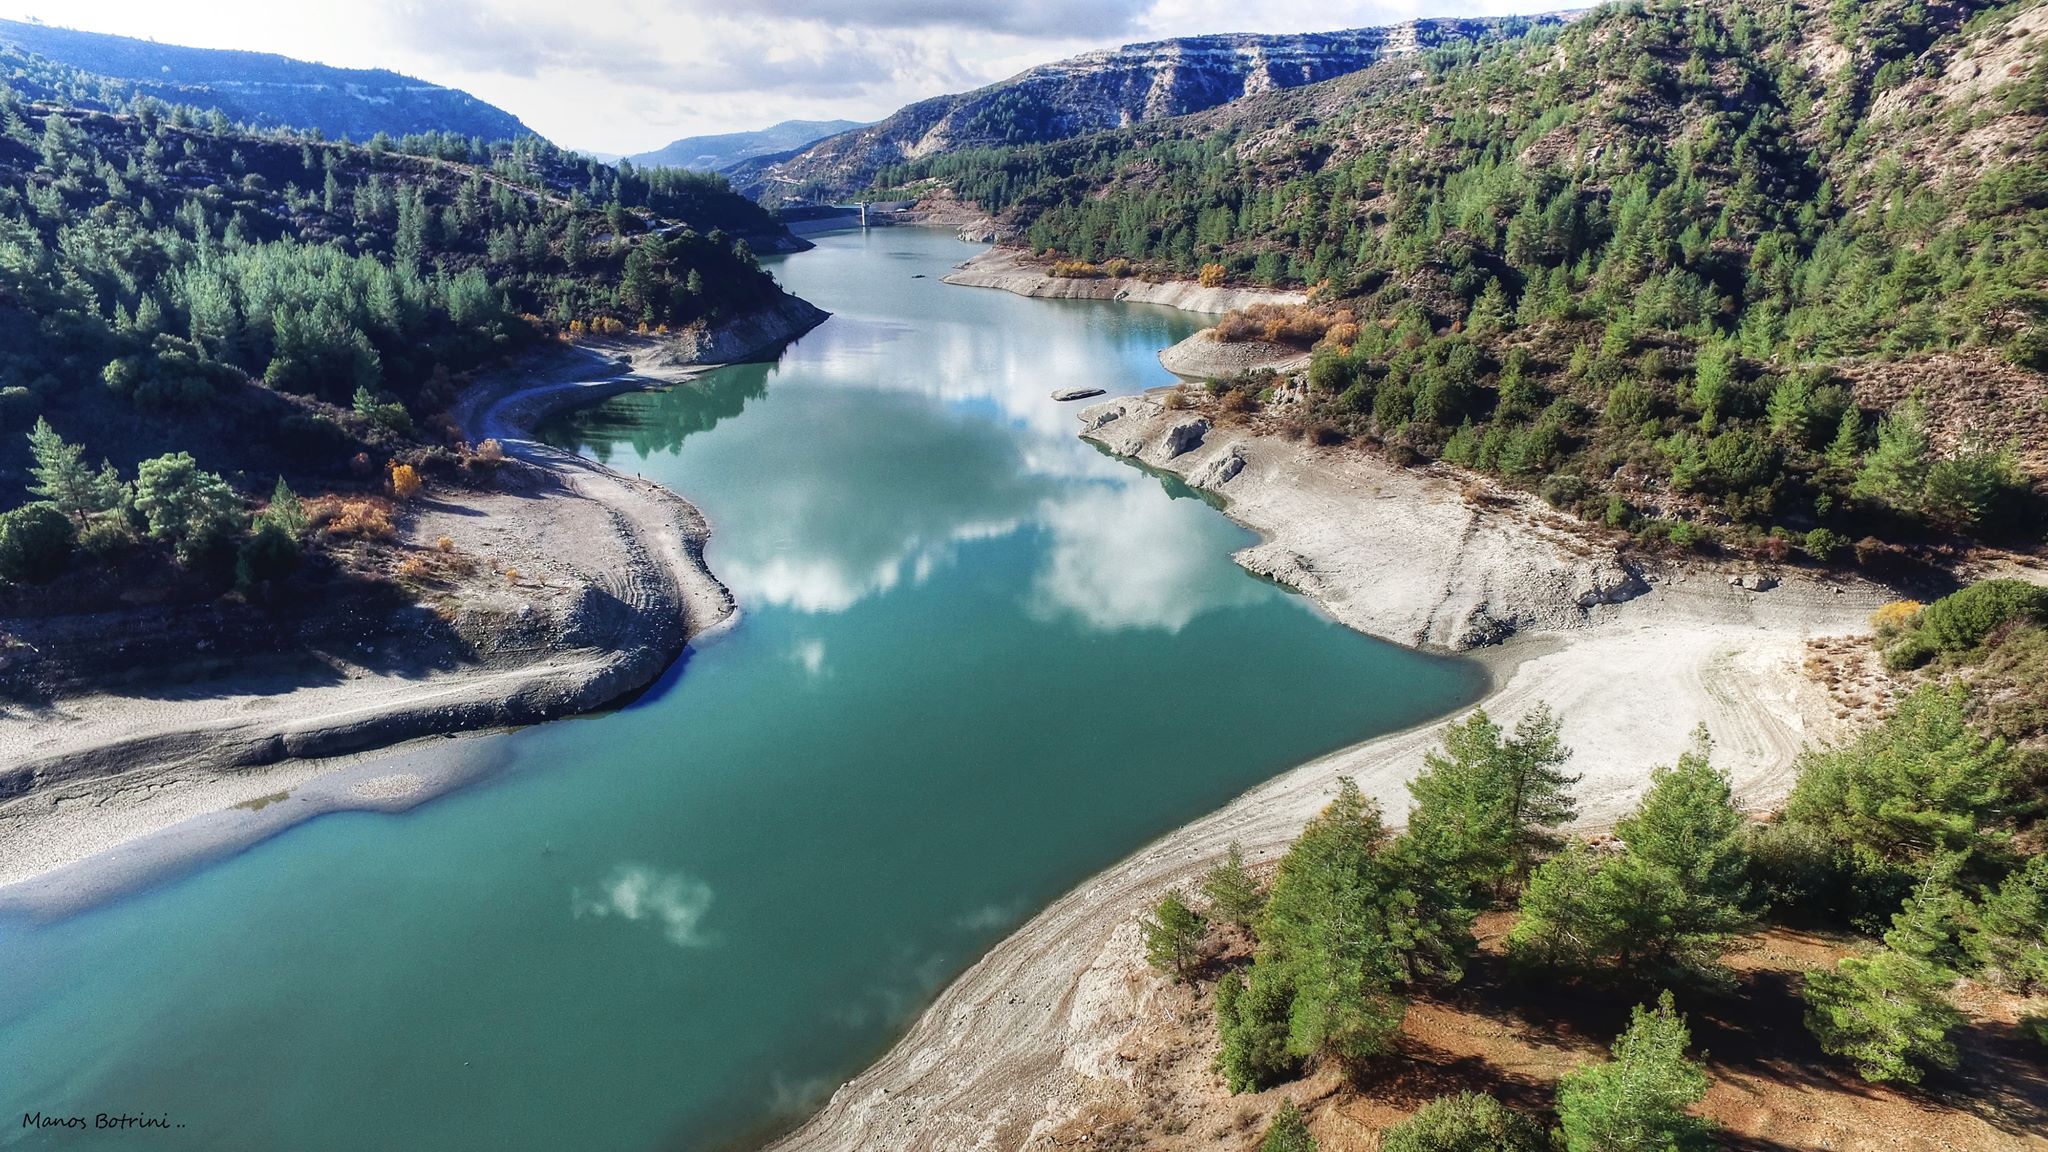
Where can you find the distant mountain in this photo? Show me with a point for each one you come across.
(264, 90)
(714, 153)
(1099, 92)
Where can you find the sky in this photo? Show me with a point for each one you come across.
(629, 76)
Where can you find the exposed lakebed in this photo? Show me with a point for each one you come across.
(978, 660)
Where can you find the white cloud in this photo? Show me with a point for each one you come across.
(670, 900)
(1119, 561)
(631, 75)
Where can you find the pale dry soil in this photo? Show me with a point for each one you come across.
(1042, 1028)
(1014, 270)
(584, 582)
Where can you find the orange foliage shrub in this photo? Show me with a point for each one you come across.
(490, 451)
(405, 481)
(414, 570)
(1276, 324)
(368, 519)
(1213, 274)
(444, 544)
(1076, 270)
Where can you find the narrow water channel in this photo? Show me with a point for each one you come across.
(978, 661)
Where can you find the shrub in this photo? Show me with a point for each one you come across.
(1960, 621)
(190, 509)
(1885, 1014)
(1173, 936)
(1467, 1122)
(105, 537)
(1213, 274)
(270, 553)
(405, 481)
(1896, 617)
(1824, 545)
(35, 542)
(1288, 1132)
(1295, 324)
(1638, 1100)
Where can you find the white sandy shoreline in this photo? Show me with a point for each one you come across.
(122, 792)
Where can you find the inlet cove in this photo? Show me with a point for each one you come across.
(976, 660)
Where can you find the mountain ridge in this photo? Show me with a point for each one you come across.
(269, 90)
(718, 151)
(1101, 91)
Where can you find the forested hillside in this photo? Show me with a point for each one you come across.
(1772, 273)
(1098, 91)
(265, 90)
(209, 310)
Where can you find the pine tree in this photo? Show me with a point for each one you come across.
(1467, 1122)
(1847, 446)
(1895, 472)
(1173, 936)
(1288, 1132)
(1488, 805)
(1234, 897)
(1637, 1102)
(60, 475)
(1922, 783)
(1885, 1013)
(1687, 857)
(2010, 936)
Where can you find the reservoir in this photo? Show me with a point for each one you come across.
(977, 661)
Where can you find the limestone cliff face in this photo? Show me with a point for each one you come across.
(1099, 92)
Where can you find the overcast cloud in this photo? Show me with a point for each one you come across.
(631, 75)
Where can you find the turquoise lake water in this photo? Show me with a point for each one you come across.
(978, 661)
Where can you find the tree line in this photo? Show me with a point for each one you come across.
(1912, 832)
(1628, 263)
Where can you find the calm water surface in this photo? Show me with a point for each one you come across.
(979, 660)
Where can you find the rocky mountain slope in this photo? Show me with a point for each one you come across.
(1101, 91)
(267, 91)
(716, 153)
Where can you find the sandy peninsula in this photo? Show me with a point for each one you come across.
(1631, 658)
(584, 585)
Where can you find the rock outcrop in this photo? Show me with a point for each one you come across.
(1097, 92)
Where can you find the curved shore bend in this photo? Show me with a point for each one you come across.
(116, 808)
(1632, 660)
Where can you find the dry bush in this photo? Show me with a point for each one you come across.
(1213, 274)
(405, 481)
(1294, 324)
(444, 545)
(1176, 399)
(490, 452)
(414, 570)
(511, 575)
(1238, 401)
(1076, 270)
(351, 519)
(1896, 617)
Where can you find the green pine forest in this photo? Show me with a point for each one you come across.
(1721, 273)
(1921, 836)
(216, 309)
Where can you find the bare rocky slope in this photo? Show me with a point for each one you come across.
(1098, 92)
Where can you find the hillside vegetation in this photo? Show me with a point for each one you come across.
(210, 309)
(1769, 273)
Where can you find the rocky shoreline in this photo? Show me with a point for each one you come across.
(613, 590)
(1015, 271)
(1038, 1029)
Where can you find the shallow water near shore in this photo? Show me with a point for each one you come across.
(979, 660)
